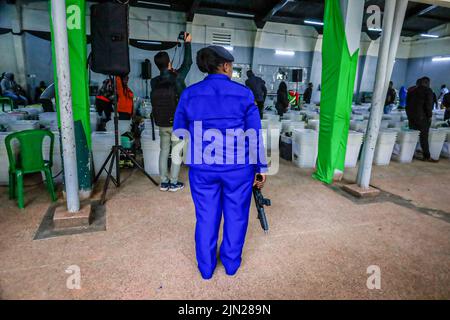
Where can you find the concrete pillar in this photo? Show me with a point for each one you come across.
(316, 69)
(65, 101)
(19, 49)
(352, 13)
(392, 25)
(256, 45)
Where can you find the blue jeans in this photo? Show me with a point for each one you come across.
(17, 99)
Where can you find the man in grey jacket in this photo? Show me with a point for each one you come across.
(9, 89)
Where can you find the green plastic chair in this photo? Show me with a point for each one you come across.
(30, 160)
(6, 100)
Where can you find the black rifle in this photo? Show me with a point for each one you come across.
(260, 202)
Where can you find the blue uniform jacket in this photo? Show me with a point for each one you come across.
(219, 103)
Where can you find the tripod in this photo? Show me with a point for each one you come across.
(146, 89)
(114, 156)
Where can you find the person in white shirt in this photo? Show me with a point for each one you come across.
(444, 91)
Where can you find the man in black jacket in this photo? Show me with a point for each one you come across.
(258, 87)
(166, 90)
(419, 109)
(308, 94)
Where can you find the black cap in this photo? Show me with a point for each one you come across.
(222, 52)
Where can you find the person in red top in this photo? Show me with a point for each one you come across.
(124, 98)
(104, 100)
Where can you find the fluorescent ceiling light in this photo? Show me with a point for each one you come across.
(149, 42)
(238, 14)
(284, 52)
(375, 29)
(440, 59)
(426, 10)
(426, 35)
(316, 23)
(229, 48)
(155, 3)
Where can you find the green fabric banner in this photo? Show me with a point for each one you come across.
(76, 33)
(338, 80)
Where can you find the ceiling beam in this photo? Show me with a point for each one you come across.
(436, 18)
(224, 12)
(260, 21)
(417, 11)
(441, 3)
(194, 7)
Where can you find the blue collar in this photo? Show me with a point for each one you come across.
(217, 76)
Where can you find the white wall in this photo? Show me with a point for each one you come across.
(249, 49)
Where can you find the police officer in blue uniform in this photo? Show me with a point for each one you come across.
(220, 186)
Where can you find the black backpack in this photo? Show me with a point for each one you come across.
(164, 102)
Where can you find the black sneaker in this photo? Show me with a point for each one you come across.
(174, 187)
(164, 186)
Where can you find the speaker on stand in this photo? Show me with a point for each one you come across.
(110, 56)
(146, 74)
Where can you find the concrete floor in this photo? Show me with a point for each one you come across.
(319, 247)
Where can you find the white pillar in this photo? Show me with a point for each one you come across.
(19, 50)
(353, 13)
(399, 18)
(379, 95)
(316, 68)
(256, 45)
(65, 104)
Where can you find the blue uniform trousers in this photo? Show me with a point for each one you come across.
(215, 192)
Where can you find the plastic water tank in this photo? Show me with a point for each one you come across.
(124, 126)
(57, 159)
(446, 148)
(4, 176)
(101, 147)
(360, 126)
(313, 125)
(271, 117)
(47, 119)
(354, 143)
(32, 113)
(385, 147)
(305, 148)
(436, 139)
(294, 116)
(384, 124)
(273, 137)
(285, 125)
(264, 124)
(20, 125)
(150, 151)
(93, 120)
(296, 125)
(405, 146)
(358, 117)
(148, 124)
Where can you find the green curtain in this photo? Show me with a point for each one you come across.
(76, 33)
(338, 79)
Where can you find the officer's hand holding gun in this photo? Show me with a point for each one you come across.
(260, 201)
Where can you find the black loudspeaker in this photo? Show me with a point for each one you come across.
(146, 70)
(109, 39)
(297, 75)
